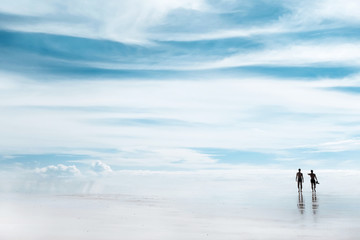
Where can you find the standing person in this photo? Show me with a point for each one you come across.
(313, 180)
(299, 179)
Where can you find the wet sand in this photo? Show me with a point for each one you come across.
(215, 211)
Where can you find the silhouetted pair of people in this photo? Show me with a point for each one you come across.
(300, 179)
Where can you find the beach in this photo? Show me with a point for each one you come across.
(212, 208)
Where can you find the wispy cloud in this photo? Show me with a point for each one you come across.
(228, 114)
(151, 84)
(123, 21)
(323, 54)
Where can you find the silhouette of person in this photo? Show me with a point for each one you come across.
(313, 180)
(299, 179)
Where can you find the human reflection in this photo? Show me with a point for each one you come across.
(315, 204)
(301, 204)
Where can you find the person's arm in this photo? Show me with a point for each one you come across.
(302, 176)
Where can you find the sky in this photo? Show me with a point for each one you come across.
(88, 89)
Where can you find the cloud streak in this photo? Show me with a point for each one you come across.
(227, 113)
(122, 21)
(148, 84)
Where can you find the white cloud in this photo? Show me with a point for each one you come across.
(101, 168)
(341, 145)
(117, 20)
(309, 13)
(303, 16)
(129, 21)
(168, 156)
(59, 170)
(243, 113)
(267, 29)
(295, 54)
(319, 53)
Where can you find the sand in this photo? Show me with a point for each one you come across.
(221, 209)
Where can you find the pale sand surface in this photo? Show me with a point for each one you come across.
(206, 211)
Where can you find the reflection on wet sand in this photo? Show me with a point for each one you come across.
(301, 204)
(315, 204)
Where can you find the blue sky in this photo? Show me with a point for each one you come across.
(92, 88)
